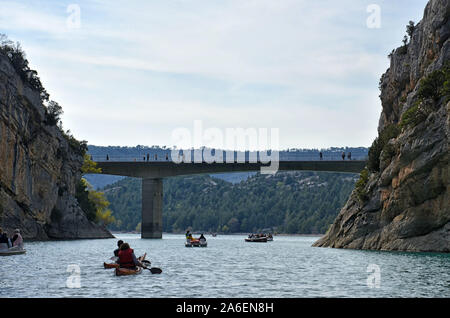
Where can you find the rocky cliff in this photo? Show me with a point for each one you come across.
(38, 168)
(402, 200)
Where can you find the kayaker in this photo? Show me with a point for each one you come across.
(17, 239)
(127, 259)
(116, 251)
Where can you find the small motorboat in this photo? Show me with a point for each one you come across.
(195, 243)
(12, 251)
(128, 271)
(260, 239)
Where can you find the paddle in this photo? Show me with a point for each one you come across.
(154, 270)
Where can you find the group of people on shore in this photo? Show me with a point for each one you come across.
(7, 242)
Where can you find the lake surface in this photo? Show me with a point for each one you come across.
(228, 267)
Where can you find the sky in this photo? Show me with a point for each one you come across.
(132, 72)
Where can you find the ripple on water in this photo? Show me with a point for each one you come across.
(228, 267)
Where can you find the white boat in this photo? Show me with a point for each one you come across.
(12, 251)
(196, 243)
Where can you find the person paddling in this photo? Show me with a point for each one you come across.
(127, 259)
(116, 251)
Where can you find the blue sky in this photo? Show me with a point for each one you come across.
(134, 71)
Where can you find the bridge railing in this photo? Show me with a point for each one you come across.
(168, 158)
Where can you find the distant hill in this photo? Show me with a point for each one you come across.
(288, 202)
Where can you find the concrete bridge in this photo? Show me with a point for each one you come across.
(153, 172)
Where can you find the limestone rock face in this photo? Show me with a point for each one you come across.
(408, 206)
(38, 168)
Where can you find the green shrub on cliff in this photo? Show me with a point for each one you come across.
(432, 88)
(53, 113)
(89, 166)
(413, 116)
(82, 196)
(80, 147)
(360, 186)
(380, 144)
(93, 203)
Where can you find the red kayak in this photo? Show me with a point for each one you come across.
(127, 271)
(110, 265)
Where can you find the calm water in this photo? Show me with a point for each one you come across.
(228, 267)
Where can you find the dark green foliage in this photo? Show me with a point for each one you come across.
(18, 60)
(410, 28)
(82, 196)
(405, 40)
(431, 89)
(436, 84)
(360, 186)
(80, 147)
(300, 202)
(53, 113)
(388, 152)
(391, 131)
(412, 116)
(373, 162)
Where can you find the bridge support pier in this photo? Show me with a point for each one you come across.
(152, 202)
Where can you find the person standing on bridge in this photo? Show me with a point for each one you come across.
(343, 155)
(321, 155)
(148, 157)
(156, 157)
(349, 156)
(107, 157)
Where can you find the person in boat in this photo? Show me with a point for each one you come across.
(17, 239)
(189, 236)
(116, 251)
(202, 239)
(127, 259)
(5, 243)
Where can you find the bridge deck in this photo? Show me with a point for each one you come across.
(171, 169)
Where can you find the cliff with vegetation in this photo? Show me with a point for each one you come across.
(401, 201)
(40, 164)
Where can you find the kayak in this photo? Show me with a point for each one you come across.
(12, 251)
(110, 265)
(115, 265)
(127, 271)
(256, 239)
